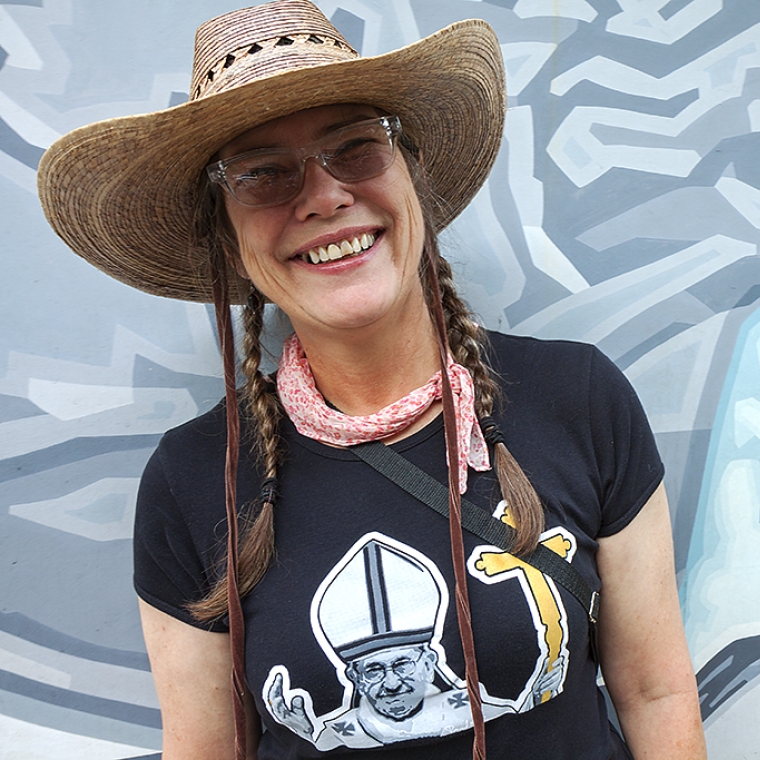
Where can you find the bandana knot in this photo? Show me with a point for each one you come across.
(311, 415)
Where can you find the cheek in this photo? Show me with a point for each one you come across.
(416, 225)
(250, 261)
(249, 255)
(258, 270)
(250, 230)
(413, 234)
(411, 209)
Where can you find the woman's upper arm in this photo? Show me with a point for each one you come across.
(643, 650)
(191, 669)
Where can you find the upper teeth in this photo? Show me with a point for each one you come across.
(338, 250)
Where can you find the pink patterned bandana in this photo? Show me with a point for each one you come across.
(313, 418)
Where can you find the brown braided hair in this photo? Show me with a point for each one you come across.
(466, 341)
(260, 403)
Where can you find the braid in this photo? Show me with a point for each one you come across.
(256, 548)
(260, 395)
(466, 341)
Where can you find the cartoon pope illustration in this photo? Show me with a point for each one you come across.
(386, 649)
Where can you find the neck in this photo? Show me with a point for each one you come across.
(362, 371)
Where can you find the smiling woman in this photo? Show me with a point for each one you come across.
(349, 614)
(377, 288)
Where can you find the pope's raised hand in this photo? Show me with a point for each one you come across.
(292, 715)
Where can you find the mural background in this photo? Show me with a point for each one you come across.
(624, 210)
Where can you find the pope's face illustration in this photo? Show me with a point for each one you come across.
(394, 680)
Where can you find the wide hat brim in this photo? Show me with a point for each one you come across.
(121, 192)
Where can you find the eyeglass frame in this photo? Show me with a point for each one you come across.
(390, 667)
(217, 171)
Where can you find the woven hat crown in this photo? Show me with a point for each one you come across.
(254, 43)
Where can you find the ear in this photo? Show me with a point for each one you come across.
(430, 660)
(353, 676)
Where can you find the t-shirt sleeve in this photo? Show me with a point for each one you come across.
(629, 465)
(169, 569)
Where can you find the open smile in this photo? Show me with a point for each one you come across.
(339, 249)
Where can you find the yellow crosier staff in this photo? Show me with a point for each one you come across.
(494, 563)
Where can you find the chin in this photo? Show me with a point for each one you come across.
(356, 319)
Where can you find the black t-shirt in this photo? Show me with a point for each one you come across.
(352, 641)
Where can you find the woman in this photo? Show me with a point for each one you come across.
(369, 625)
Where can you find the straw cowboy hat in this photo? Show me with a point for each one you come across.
(121, 192)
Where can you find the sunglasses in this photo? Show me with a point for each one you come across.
(270, 176)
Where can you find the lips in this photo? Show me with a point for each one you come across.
(339, 249)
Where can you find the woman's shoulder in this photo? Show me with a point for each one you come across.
(206, 432)
(517, 342)
(511, 355)
(190, 460)
(205, 427)
(563, 373)
(200, 442)
(195, 447)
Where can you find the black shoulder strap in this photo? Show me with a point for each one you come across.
(429, 491)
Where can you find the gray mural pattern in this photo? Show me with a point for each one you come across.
(623, 210)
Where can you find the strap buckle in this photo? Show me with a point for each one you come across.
(593, 610)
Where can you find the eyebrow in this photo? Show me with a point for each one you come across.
(400, 658)
(355, 119)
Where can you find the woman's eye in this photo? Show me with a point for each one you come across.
(268, 173)
(353, 147)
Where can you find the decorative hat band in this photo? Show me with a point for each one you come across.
(274, 45)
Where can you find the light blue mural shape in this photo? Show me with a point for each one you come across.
(721, 589)
(624, 209)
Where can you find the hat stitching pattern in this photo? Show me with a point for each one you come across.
(231, 59)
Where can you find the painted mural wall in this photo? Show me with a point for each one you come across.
(624, 210)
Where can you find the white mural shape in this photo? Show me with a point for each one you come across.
(623, 209)
(649, 19)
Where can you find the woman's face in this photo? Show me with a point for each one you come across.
(376, 286)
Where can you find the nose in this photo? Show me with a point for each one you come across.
(391, 682)
(321, 194)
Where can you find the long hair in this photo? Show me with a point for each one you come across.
(467, 342)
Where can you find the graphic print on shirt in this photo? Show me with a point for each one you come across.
(378, 617)
(490, 564)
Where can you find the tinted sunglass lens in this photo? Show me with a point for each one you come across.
(363, 164)
(270, 177)
(266, 183)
